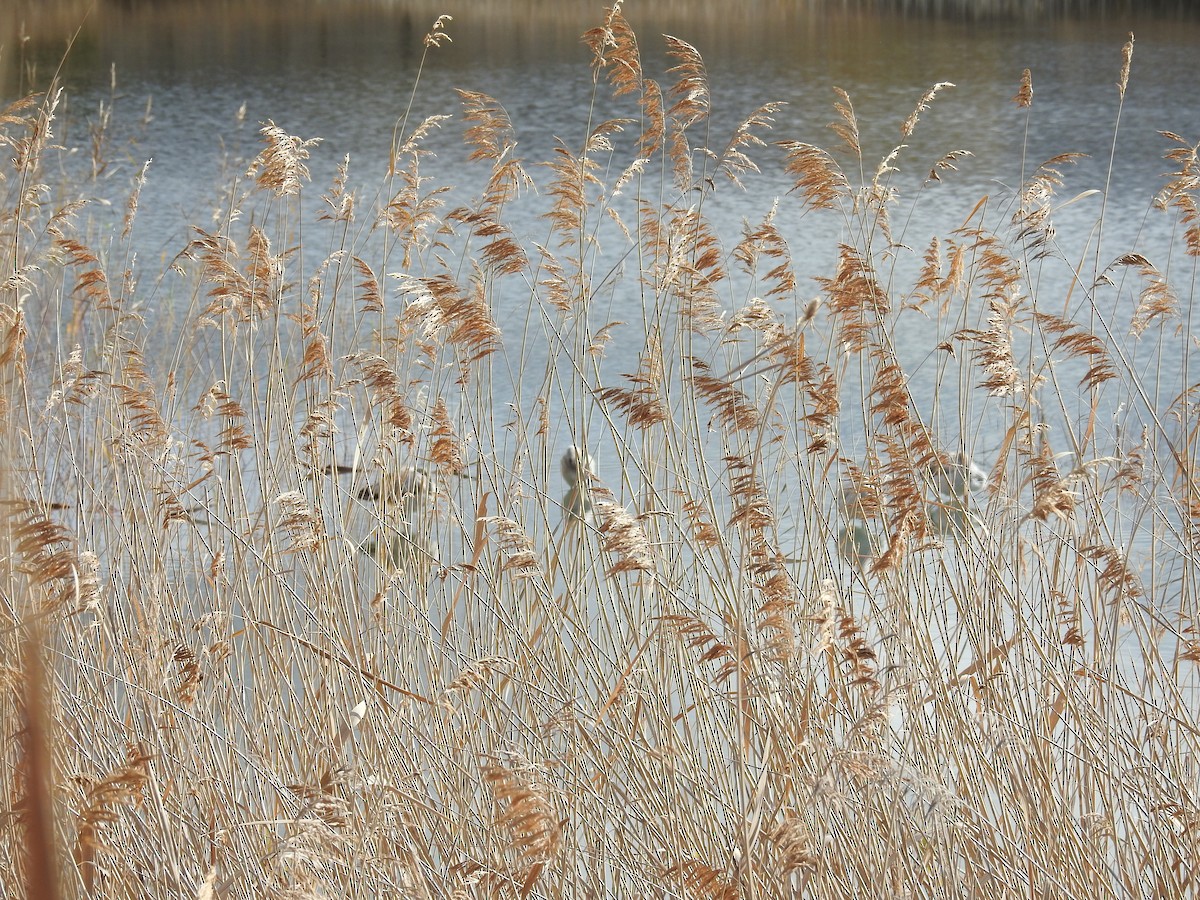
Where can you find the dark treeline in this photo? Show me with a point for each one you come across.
(1019, 9)
(957, 9)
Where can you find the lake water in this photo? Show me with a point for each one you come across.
(178, 76)
(344, 72)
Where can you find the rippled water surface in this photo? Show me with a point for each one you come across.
(187, 84)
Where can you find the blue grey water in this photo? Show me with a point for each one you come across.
(207, 86)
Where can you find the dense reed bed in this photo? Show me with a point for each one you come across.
(314, 585)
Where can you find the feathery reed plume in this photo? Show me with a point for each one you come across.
(526, 812)
(704, 532)
(633, 170)
(412, 212)
(751, 504)
(908, 452)
(1126, 62)
(279, 167)
(693, 267)
(573, 175)
(799, 855)
(436, 36)
(766, 240)
(734, 409)
(696, 634)
(643, 404)
(992, 348)
(503, 255)
(1032, 216)
(846, 126)
(371, 298)
(233, 435)
(145, 428)
(92, 286)
(932, 285)
(477, 673)
(757, 316)
(16, 113)
(27, 155)
(235, 296)
(442, 304)
(599, 140)
(856, 300)
(493, 138)
(316, 361)
(691, 84)
(412, 146)
(1117, 581)
(910, 124)
(733, 162)
(654, 129)
(123, 786)
(563, 289)
(338, 198)
(189, 674)
(622, 535)
(815, 175)
(851, 654)
(491, 132)
(1024, 96)
(297, 518)
(88, 588)
(860, 495)
(700, 880)
(679, 152)
(387, 390)
(776, 615)
(888, 396)
(947, 164)
(131, 205)
(446, 451)
(1051, 494)
(1157, 299)
(823, 404)
(1180, 192)
(614, 48)
(520, 556)
(1077, 341)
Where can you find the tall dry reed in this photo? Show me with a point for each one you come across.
(293, 607)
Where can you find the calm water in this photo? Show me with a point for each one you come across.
(345, 72)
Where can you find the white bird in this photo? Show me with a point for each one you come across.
(577, 473)
(958, 477)
(576, 466)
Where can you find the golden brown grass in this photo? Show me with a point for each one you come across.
(295, 609)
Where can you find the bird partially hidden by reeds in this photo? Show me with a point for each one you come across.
(957, 477)
(409, 486)
(406, 496)
(954, 478)
(577, 473)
